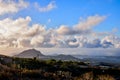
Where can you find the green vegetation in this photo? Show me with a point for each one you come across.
(34, 69)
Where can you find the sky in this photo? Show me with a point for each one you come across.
(77, 25)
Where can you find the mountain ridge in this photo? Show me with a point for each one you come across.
(31, 53)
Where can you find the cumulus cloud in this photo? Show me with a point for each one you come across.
(106, 44)
(114, 40)
(72, 43)
(13, 28)
(82, 27)
(95, 43)
(65, 30)
(19, 33)
(22, 42)
(37, 41)
(10, 6)
(36, 29)
(46, 8)
(90, 22)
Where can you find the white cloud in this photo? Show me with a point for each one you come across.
(13, 28)
(10, 6)
(22, 43)
(115, 40)
(89, 23)
(85, 42)
(73, 44)
(46, 8)
(35, 30)
(63, 29)
(83, 27)
(18, 33)
(37, 41)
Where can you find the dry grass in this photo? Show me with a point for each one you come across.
(90, 76)
(105, 77)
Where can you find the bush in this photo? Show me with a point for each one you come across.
(31, 74)
(5, 75)
(105, 77)
(91, 76)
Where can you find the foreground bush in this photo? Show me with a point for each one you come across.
(91, 76)
(105, 77)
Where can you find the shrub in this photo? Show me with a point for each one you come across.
(105, 77)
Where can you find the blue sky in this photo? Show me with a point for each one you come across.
(69, 12)
(60, 24)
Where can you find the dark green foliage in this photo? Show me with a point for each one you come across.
(34, 69)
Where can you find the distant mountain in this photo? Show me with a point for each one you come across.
(98, 59)
(29, 53)
(35, 53)
(65, 57)
(61, 57)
